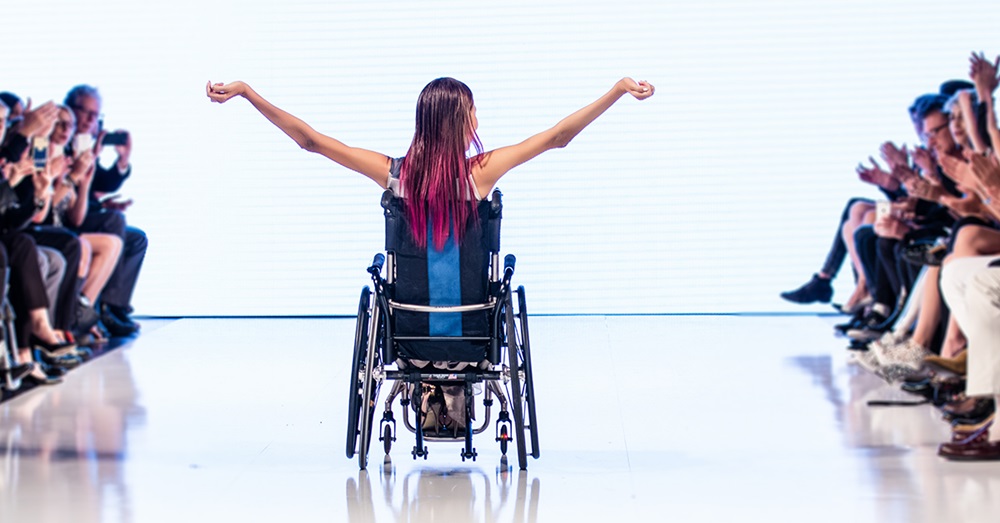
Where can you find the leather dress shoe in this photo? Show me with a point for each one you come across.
(978, 448)
(963, 412)
(117, 322)
(815, 290)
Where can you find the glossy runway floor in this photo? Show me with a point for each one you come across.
(676, 418)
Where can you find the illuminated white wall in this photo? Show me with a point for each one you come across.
(713, 196)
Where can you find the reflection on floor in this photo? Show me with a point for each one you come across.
(680, 418)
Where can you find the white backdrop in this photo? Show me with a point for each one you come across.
(712, 196)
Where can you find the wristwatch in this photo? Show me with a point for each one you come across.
(39, 204)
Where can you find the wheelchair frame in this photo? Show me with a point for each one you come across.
(13, 372)
(375, 352)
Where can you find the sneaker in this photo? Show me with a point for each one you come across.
(884, 345)
(874, 325)
(86, 316)
(907, 354)
(815, 290)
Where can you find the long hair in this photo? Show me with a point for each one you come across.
(435, 174)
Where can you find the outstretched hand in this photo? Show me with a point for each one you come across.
(221, 93)
(640, 90)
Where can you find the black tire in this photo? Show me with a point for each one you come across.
(387, 439)
(360, 346)
(529, 386)
(504, 438)
(369, 390)
(516, 400)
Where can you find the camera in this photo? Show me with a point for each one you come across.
(119, 138)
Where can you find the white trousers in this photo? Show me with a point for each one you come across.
(972, 291)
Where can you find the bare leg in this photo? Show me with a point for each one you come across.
(930, 309)
(42, 329)
(861, 213)
(973, 240)
(105, 249)
(954, 340)
(85, 255)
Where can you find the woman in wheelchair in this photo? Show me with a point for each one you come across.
(444, 311)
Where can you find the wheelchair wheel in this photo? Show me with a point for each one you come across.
(529, 385)
(516, 392)
(360, 346)
(370, 387)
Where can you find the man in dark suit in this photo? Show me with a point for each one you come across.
(107, 216)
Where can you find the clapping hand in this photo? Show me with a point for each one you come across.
(968, 205)
(924, 159)
(986, 170)
(39, 121)
(958, 170)
(877, 176)
(984, 73)
(894, 156)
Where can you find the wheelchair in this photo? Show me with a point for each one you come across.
(12, 372)
(437, 321)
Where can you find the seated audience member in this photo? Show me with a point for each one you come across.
(69, 314)
(970, 287)
(67, 207)
(107, 217)
(27, 290)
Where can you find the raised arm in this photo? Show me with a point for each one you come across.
(369, 163)
(496, 163)
(984, 76)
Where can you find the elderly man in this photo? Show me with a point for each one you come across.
(107, 216)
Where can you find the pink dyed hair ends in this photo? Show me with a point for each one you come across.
(435, 175)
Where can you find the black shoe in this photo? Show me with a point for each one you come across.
(116, 321)
(86, 316)
(872, 327)
(68, 361)
(40, 377)
(817, 289)
(18, 372)
(53, 350)
(856, 322)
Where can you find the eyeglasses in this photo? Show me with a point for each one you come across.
(87, 112)
(931, 133)
(65, 124)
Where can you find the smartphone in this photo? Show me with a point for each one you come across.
(82, 142)
(40, 152)
(115, 138)
(882, 210)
